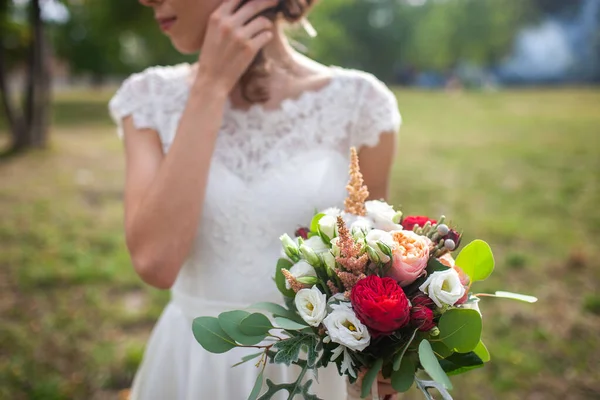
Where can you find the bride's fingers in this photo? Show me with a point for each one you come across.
(251, 9)
(256, 26)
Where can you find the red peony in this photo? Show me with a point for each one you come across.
(408, 223)
(302, 232)
(380, 304)
(422, 317)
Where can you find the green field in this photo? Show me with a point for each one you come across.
(520, 169)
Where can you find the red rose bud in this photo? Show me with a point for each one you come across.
(422, 300)
(422, 318)
(380, 304)
(302, 232)
(455, 237)
(408, 223)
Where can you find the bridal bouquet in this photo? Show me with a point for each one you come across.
(373, 292)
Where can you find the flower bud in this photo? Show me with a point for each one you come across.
(385, 249)
(422, 318)
(335, 249)
(449, 244)
(308, 280)
(310, 256)
(328, 226)
(329, 261)
(290, 247)
(443, 229)
(373, 255)
(302, 233)
(397, 217)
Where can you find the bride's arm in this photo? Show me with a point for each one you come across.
(164, 194)
(376, 165)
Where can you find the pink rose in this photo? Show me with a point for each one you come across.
(411, 254)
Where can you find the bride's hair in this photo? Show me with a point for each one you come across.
(252, 83)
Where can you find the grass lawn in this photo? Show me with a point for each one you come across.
(520, 169)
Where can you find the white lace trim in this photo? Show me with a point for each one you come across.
(354, 109)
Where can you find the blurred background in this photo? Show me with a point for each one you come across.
(501, 133)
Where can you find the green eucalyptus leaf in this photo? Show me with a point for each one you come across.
(211, 336)
(288, 324)
(230, 322)
(441, 350)
(280, 279)
(476, 260)
(460, 329)
(277, 310)
(459, 363)
(255, 324)
(404, 377)
(398, 358)
(482, 352)
(370, 377)
(516, 296)
(431, 365)
(247, 358)
(257, 386)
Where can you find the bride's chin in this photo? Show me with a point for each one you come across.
(186, 46)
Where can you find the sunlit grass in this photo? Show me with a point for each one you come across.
(520, 169)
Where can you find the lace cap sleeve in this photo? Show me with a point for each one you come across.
(134, 98)
(377, 112)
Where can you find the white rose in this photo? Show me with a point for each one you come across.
(361, 225)
(328, 226)
(332, 212)
(343, 327)
(382, 215)
(335, 249)
(386, 238)
(316, 244)
(311, 305)
(443, 287)
(300, 270)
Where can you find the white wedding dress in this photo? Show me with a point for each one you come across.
(270, 171)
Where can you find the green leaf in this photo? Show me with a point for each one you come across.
(460, 329)
(314, 224)
(230, 322)
(434, 265)
(516, 296)
(275, 309)
(288, 351)
(398, 358)
(288, 324)
(247, 358)
(255, 324)
(257, 386)
(460, 363)
(404, 377)
(312, 352)
(211, 336)
(482, 352)
(370, 377)
(280, 279)
(476, 260)
(431, 365)
(441, 350)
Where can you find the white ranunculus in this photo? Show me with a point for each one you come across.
(300, 270)
(335, 249)
(328, 226)
(316, 244)
(311, 305)
(382, 215)
(377, 235)
(361, 225)
(343, 327)
(443, 287)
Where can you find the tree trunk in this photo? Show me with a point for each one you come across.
(29, 128)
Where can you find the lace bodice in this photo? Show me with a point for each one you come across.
(271, 169)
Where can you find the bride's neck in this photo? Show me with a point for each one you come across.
(279, 52)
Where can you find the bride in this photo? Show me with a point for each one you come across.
(222, 157)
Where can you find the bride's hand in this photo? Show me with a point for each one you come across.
(384, 388)
(233, 38)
